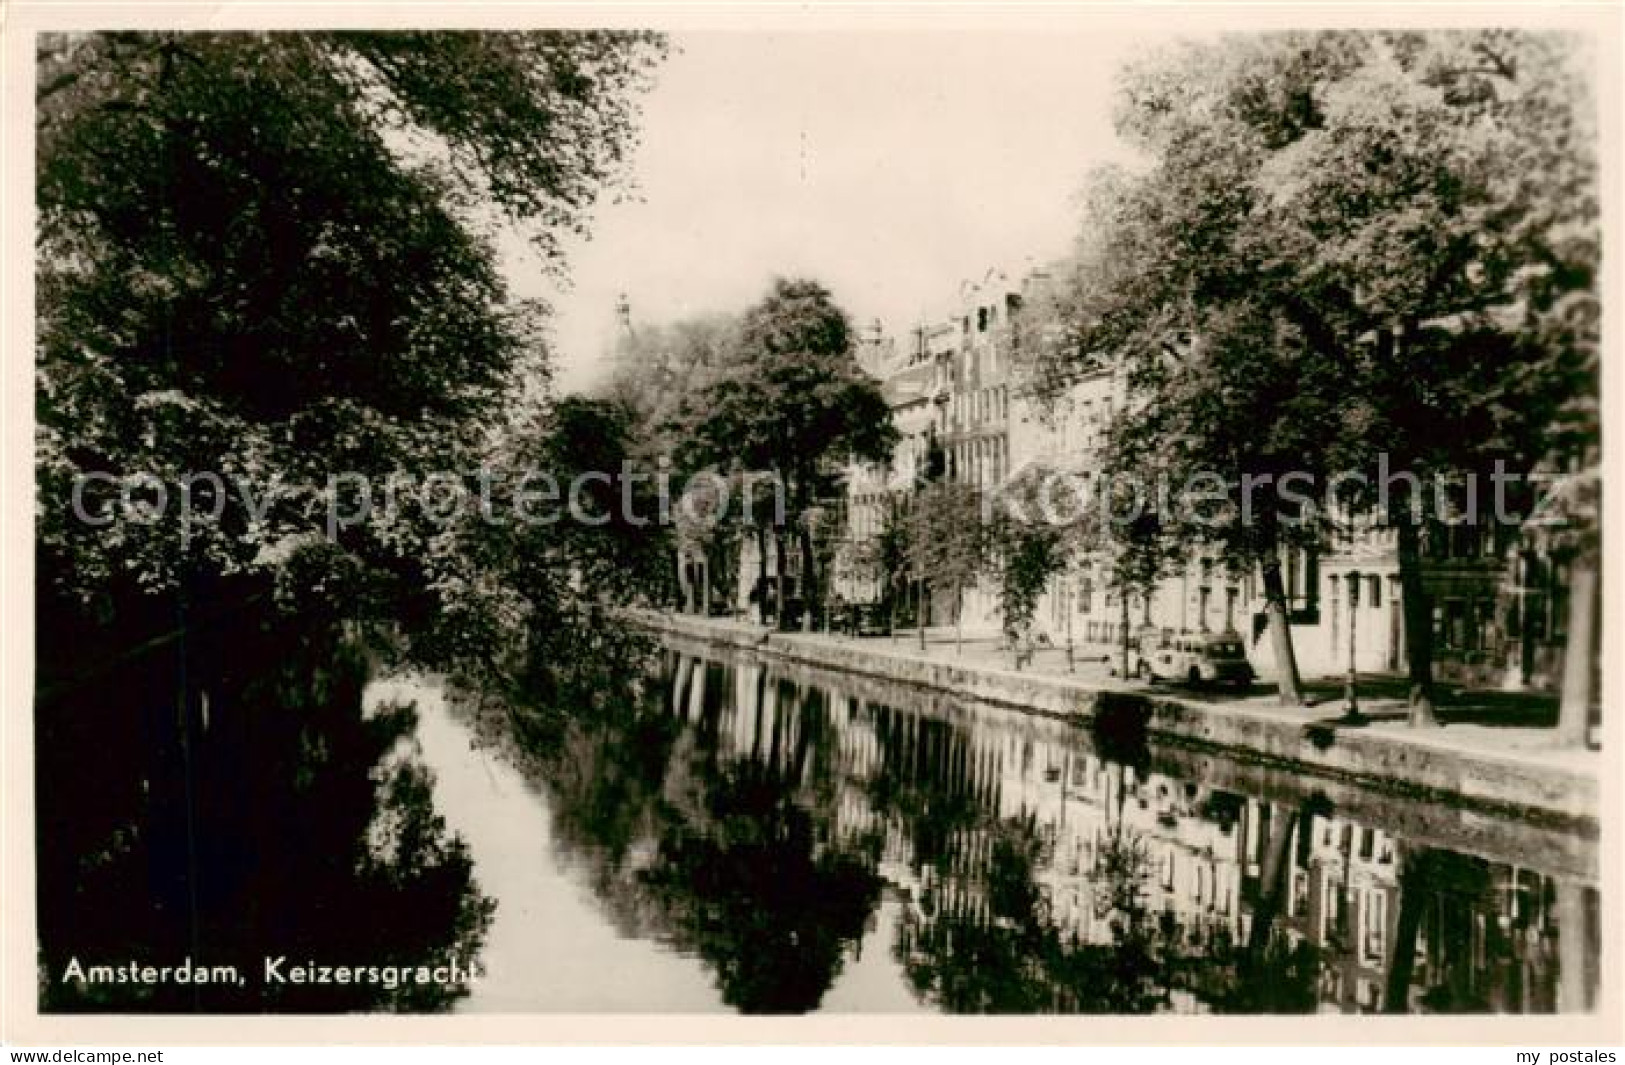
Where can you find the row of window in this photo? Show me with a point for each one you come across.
(1363, 589)
(1443, 542)
(984, 462)
(1474, 623)
(987, 316)
(982, 405)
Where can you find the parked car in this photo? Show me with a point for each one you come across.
(1195, 660)
(861, 619)
(790, 618)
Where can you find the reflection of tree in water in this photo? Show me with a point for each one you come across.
(981, 935)
(1272, 971)
(308, 829)
(725, 854)
(984, 940)
(1482, 952)
(753, 891)
(925, 782)
(745, 819)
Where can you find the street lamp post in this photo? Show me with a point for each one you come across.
(1351, 702)
(1124, 634)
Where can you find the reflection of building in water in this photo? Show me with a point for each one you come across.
(1392, 925)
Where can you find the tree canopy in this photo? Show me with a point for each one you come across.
(270, 256)
(1347, 248)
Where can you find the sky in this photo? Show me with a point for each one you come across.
(889, 165)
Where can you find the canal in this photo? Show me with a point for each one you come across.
(736, 835)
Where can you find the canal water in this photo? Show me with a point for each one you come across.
(743, 836)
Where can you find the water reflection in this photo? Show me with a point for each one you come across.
(785, 827)
(221, 797)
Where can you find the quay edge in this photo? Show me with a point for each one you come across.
(1425, 766)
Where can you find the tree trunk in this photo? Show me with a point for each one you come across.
(705, 585)
(679, 692)
(891, 609)
(1066, 604)
(1273, 885)
(780, 578)
(186, 707)
(1574, 993)
(1286, 661)
(809, 583)
(761, 574)
(1579, 657)
(959, 619)
(919, 609)
(1418, 624)
(681, 569)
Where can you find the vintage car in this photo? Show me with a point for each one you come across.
(1203, 659)
(860, 619)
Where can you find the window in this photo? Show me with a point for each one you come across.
(1453, 627)
(1436, 541)
(1465, 540)
(1376, 926)
(1477, 616)
(1373, 588)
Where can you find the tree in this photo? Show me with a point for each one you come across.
(657, 373)
(1226, 393)
(891, 553)
(709, 526)
(1136, 553)
(792, 403)
(1365, 236)
(658, 370)
(1222, 431)
(1113, 529)
(1039, 522)
(1028, 557)
(1570, 528)
(270, 257)
(949, 541)
(1476, 228)
(245, 267)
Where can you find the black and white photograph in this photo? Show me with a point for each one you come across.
(1095, 511)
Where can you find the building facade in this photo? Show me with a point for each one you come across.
(968, 407)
